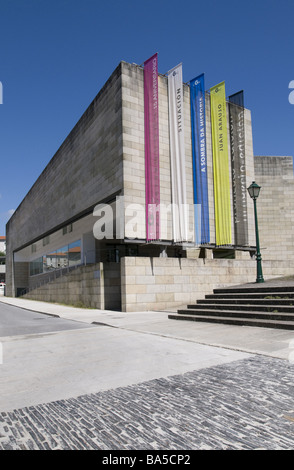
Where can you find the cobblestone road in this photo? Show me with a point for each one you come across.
(246, 404)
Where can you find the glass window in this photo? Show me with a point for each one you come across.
(132, 250)
(223, 253)
(62, 257)
(50, 261)
(67, 229)
(68, 255)
(36, 266)
(46, 240)
(74, 253)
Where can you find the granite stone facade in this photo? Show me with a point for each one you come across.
(86, 170)
(275, 206)
(102, 158)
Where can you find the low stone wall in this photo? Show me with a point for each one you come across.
(144, 283)
(163, 283)
(95, 286)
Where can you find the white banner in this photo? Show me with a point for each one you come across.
(177, 154)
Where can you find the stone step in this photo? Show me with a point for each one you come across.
(251, 295)
(276, 316)
(247, 301)
(258, 305)
(255, 322)
(256, 289)
(243, 307)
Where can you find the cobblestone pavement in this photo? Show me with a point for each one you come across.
(242, 405)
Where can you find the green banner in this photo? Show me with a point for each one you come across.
(222, 203)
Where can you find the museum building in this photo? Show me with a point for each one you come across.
(144, 206)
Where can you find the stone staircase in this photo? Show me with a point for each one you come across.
(268, 307)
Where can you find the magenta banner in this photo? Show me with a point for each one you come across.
(152, 184)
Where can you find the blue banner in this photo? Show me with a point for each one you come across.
(198, 128)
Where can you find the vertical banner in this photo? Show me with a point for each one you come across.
(221, 175)
(198, 128)
(238, 165)
(177, 154)
(152, 183)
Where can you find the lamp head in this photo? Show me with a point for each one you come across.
(254, 190)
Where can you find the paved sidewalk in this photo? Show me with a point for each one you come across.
(142, 381)
(242, 405)
(265, 341)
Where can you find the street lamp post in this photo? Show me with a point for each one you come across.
(253, 191)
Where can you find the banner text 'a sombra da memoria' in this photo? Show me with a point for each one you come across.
(199, 154)
(221, 177)
(152, 181)
(238, 167)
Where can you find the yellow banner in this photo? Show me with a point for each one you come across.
(221, 176)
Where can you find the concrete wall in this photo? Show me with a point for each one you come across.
(164, 283)
(21, 275)
(275, 206)
(85, 170)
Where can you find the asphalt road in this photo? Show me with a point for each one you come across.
(141, 383)
(16, 321)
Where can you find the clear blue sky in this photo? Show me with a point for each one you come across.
(57, 54)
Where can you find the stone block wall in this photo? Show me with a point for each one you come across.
(86, 170)
(144, 283)
(134, 156)
(94, 286)
(104, 156)
(166, 283)
(275, 206)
